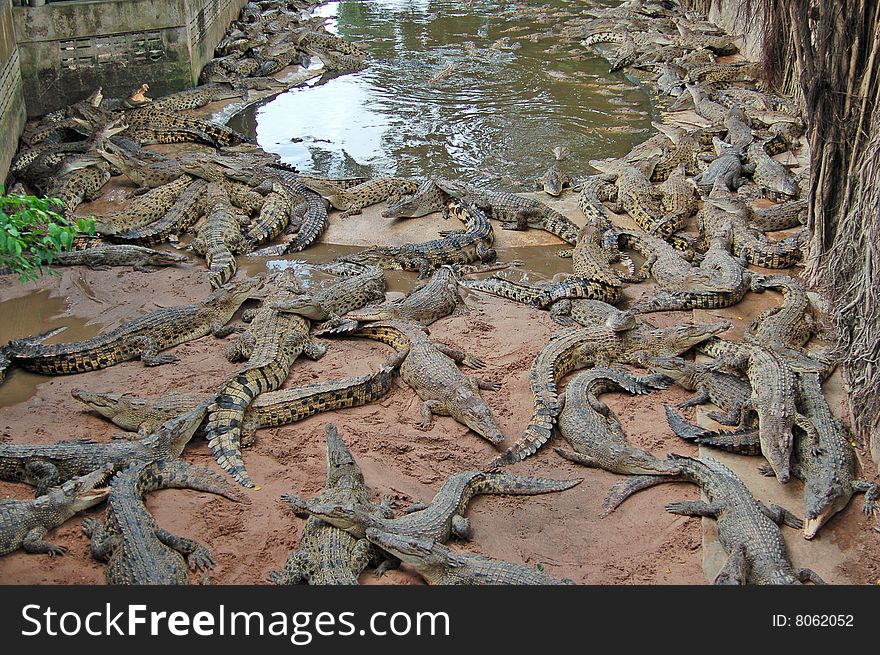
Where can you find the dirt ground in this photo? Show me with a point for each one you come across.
(640, 543)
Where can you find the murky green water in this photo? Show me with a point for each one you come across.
(480, 91)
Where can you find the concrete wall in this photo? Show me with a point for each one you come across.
(68, 49)
(12, 111)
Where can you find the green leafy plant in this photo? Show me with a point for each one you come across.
(32, 233)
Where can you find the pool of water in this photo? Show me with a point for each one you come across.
(478, 91)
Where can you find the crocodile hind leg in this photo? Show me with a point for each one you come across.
(809, 575)
(43, 474)
(734, 416)
(33, 543)
(694, 508)
(197, 556)
(780, 516)
(488, 385)
(102, 543)
(460, 357)
(149, 349)
(296, 570)
(697, 399)
(578, 458)
(872, 494)
(736, 570)
(313, 349)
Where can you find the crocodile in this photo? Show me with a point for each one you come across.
(270, 345)
(196, 97)
(274, 216)
(714, 72)
(677, 199)
(190, 205)
(724, 390)
(747, 241)
(592, 429)
(627, 53)
(705, 107)
(770, 175)
(515, 212)
(670, 270)
(77, 186)
(426, 199)
(774, 395)
(268, 410)
(143, 209)
(136, 549)
(220, 237)
(102, 257)
(155, 122)
(24, 523)
(597, 188)
(439, 565)
(747, 529)
(329, 41)
(780, 216)
(47, 465)
(791, 324)
(578, 348)
(718, 267)
(828, 467)
(720, 44)
(423, 304)
(327, 555)
(429, 369)
(474, 244)
(353, 199)
(146, 174)
(143, 337)
(553, 181)
(593, 277)
(638, 198)
(739, 133)
(444, 516)
(331, 302)
(584, 311)
(727, 168)
(686, 153)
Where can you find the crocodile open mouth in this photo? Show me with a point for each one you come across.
(812, 525)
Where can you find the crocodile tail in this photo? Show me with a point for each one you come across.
(223, 427)
(497, 286)
(313, 226)
(498, 482)
(626, 488)
(24, 346)
(222, 265)
(177, 474)
(533, 437)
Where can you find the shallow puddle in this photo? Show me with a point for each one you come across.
(479, 91)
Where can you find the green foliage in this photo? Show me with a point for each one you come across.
(32, 233)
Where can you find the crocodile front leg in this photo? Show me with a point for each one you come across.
(872, 494)
(103, 544)
(313, 349)
(219, 330)
(697, 399)
(780, 516)
(735, 570)
(578, 458)
(197, 556)
(149, 350)
(460, 357)
(732, 417)
(295, 570)
(809, 575)
(33, 543)
(427, 411)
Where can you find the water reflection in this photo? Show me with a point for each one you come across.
(481, 91)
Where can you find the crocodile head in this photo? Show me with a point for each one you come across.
(167, 258)
(411, 550)
(470, 409)
(235, 291)
(824, 496)
(77, 494)
(672, 341)
(674, 368)
(776, 445)
(114, 406)
(340, 461)
(345, 516)
(305, 306)
(428, 198)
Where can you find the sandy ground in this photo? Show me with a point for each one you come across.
(637, 544)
